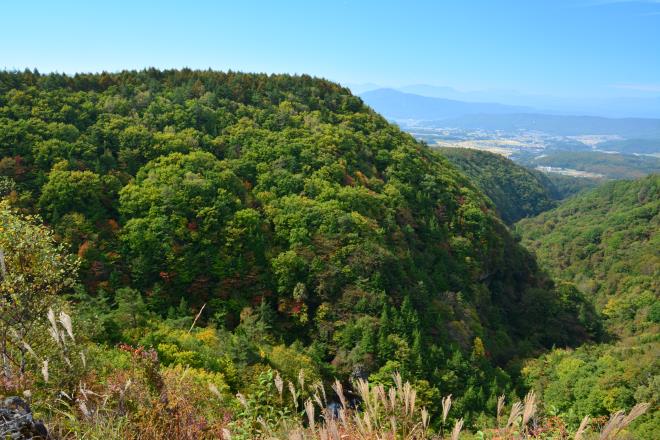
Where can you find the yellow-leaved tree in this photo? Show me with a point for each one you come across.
(34, 269)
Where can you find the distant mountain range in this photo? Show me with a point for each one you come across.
(612, 107)
(559, 125)
(441, 112)
(398, 105)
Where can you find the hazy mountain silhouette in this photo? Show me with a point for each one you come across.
(399, 105)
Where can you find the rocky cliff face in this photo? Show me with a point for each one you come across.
(17, 423)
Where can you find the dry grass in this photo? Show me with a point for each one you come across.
(367, 412)
(383, 413)
(582, 428)
(619, 421)
(154, 403)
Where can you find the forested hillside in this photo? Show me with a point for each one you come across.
(566, 186)
(515, 191)
(608, 165)
(228, 225)
(606, 244)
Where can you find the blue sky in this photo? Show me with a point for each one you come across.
(556, 47)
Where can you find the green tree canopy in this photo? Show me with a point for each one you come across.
(175, 211)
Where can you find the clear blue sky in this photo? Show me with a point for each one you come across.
(559, 47)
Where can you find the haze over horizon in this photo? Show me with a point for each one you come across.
(616, 107)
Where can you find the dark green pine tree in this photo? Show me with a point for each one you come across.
(368, 342)
(384, 348)
(416, 363)
(408, 316)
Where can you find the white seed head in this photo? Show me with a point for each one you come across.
(44, 370)
(65, 319)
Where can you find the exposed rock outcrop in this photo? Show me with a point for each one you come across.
(17, 423)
